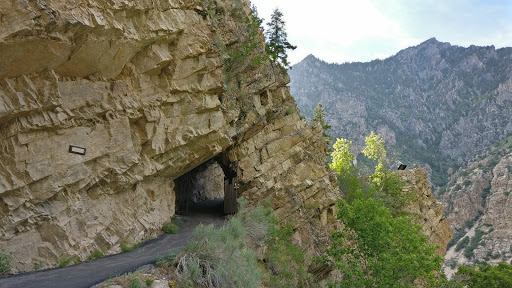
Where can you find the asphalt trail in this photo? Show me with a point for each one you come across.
(91, 273)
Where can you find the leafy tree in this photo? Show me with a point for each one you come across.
(384, 251)
(487, 276)
(319, 117)
(380, 245)
(375, 150)
(342, 158)
(277, 42)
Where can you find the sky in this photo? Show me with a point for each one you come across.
(339, 31)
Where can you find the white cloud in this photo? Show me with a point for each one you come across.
(362, 30)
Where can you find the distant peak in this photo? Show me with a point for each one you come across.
(431, 40)
(310, 57)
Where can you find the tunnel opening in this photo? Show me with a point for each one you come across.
(211, 188)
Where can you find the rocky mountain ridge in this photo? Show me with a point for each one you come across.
(438, 106)
(435, 104)
(477, 204)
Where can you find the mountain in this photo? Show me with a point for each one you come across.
(477, 204)
(444, 107)
(436, 105)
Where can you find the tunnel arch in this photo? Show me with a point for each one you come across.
(214, 179)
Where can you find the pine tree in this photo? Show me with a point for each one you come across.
(277, 44)
(318, 117)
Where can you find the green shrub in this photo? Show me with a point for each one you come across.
(462, 243)
(136, 282)
(149, 282)
(284, 259)
(128, 248)
(97, 254)
(5, 262)
(484, 276)
(171, 227)
(473, 243)
(65, 262)
(222, 257)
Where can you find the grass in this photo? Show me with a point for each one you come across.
(5, 262)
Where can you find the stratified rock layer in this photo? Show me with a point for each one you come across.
(428, 210)
(141, 85)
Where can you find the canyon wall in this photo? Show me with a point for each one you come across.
(148, 90)
(145, 88)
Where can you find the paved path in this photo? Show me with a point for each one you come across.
(93, 272)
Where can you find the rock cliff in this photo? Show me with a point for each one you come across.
(150, 89)
(429, 211)
(477, 204)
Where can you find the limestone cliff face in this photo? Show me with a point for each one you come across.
(428, 209)
(142, 86)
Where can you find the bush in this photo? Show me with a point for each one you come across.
(128, 248)
(5, 262)
(97, 254)
(485, 276)
(284, 259)
(219, 257)
(384, 250)
(136, 282)
(65, 262)
(462, 243)
(473, 243)
(222, 257)
(171, 227)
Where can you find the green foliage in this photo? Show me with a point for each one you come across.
(127, 248)
(277, 42)
(242, 53)
(383, 184)
(65, 261)
(285, 260)
(5, 262)
(97, 254)
(374, 148)
(171, 227)
(473, 243)
(222, 257)
(385, 251)
(462, 243)
(136, 282)
(162, 261)
(219, 257)
(319, 117)
(342, 158)
(149, 282)
(487, 276)
(380, 245)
